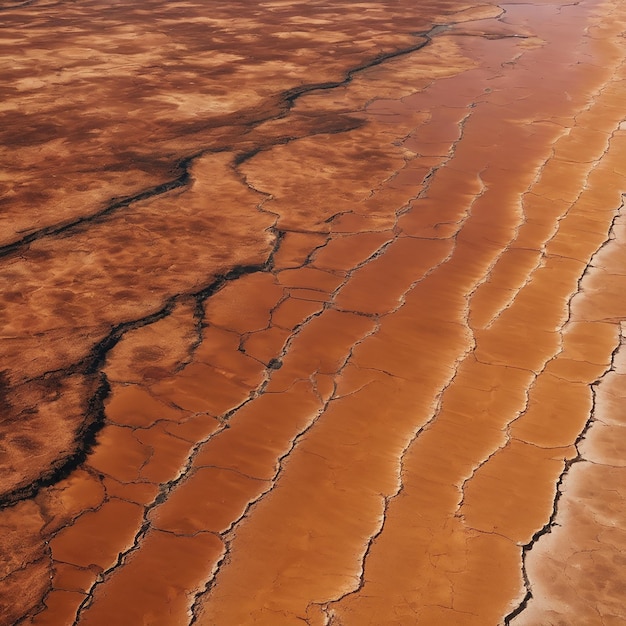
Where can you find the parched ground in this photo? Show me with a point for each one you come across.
(312, 312)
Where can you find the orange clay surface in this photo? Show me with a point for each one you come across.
(312, 313)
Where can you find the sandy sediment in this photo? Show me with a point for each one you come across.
(315, 315)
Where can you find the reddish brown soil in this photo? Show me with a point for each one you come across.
(312, 313)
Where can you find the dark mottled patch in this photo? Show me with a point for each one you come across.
(26, 443)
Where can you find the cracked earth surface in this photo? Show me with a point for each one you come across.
(313, 313)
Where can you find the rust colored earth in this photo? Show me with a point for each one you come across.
(313, 313)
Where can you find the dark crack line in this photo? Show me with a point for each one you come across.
(286, 101)
(546, 529)
(568, 463)
(90, 366)
(92, 363)
(68, 227)
(166, 488)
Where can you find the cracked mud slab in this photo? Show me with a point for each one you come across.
(312, 313)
